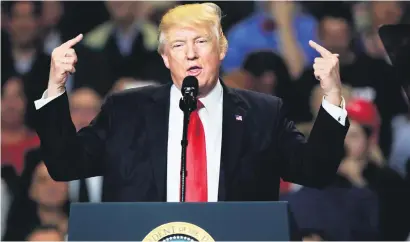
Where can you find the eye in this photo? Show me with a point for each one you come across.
(202, 41)
(176, 45)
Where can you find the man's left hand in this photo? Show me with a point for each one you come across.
(326, 70)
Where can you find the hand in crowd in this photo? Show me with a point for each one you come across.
(326, 70)
(283, 11)
(63, 60)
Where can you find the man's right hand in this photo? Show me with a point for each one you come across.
(63, 60)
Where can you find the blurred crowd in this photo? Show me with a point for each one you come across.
(268, 52)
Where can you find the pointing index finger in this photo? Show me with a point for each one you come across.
(70, 43)
(322, 51)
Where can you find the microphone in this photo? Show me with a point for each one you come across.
(187, 104)
(189, 92)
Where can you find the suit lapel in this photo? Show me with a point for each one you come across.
(157, 116)
(233, 124)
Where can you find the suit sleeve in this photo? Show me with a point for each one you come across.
(71, 155)
(313, 162)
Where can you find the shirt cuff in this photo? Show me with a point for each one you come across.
(44, 100)
(338, 113)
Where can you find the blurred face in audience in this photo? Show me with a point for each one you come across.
(45, 191)
(51, 14)
(122, 11)
(266, 83)
(13, 103)
(386, 12)
(45, 235)
(239, 79)
(23, 24)
(356, 141)
(84, 106)
(334, 34)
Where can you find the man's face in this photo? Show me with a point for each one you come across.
(52, 13)
(13, 102)
(84, 106)
(335, 35)
(45, 191)
(193, 51)
(356, 141)
(266, 83)
(23, 24)
(121, 11)
(386, 12)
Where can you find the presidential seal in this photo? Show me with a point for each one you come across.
(178, 231)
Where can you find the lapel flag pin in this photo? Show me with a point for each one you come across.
(238, 117)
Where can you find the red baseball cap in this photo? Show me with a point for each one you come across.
(365, 113)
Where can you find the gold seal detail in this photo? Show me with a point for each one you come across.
(178, 231)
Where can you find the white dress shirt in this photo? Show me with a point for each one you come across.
(211, 117)
(94, 189)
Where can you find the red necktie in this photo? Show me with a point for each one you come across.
(196, 180)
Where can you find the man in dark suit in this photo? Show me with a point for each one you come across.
(134, 142)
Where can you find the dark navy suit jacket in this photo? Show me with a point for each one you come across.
(127, 144)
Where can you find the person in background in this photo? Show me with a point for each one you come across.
(85, 103)
(54, 34)
(9, 189)
(270, 73)
(129, 43)
(278, 26)
(46, 233)
(400, 154)
(362, 170)
(371, 79)
(380, 13)
(16, 137)
(337, 212)
(40, 200)
(26, 57)
(6, 199)
(239, 79)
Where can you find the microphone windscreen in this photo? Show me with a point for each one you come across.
(190, 83)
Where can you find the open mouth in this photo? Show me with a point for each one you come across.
(194, 70)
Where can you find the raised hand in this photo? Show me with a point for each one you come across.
(326, 70)
(63, 60)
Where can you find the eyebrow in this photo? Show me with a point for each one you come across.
(208, 37)
(177, 40)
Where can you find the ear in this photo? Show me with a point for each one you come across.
(165, 59)
(222, 55)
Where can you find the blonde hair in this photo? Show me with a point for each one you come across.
(208, 14)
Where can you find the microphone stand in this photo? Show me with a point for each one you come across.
(187, 104)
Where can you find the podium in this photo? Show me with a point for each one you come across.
(152, 221)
